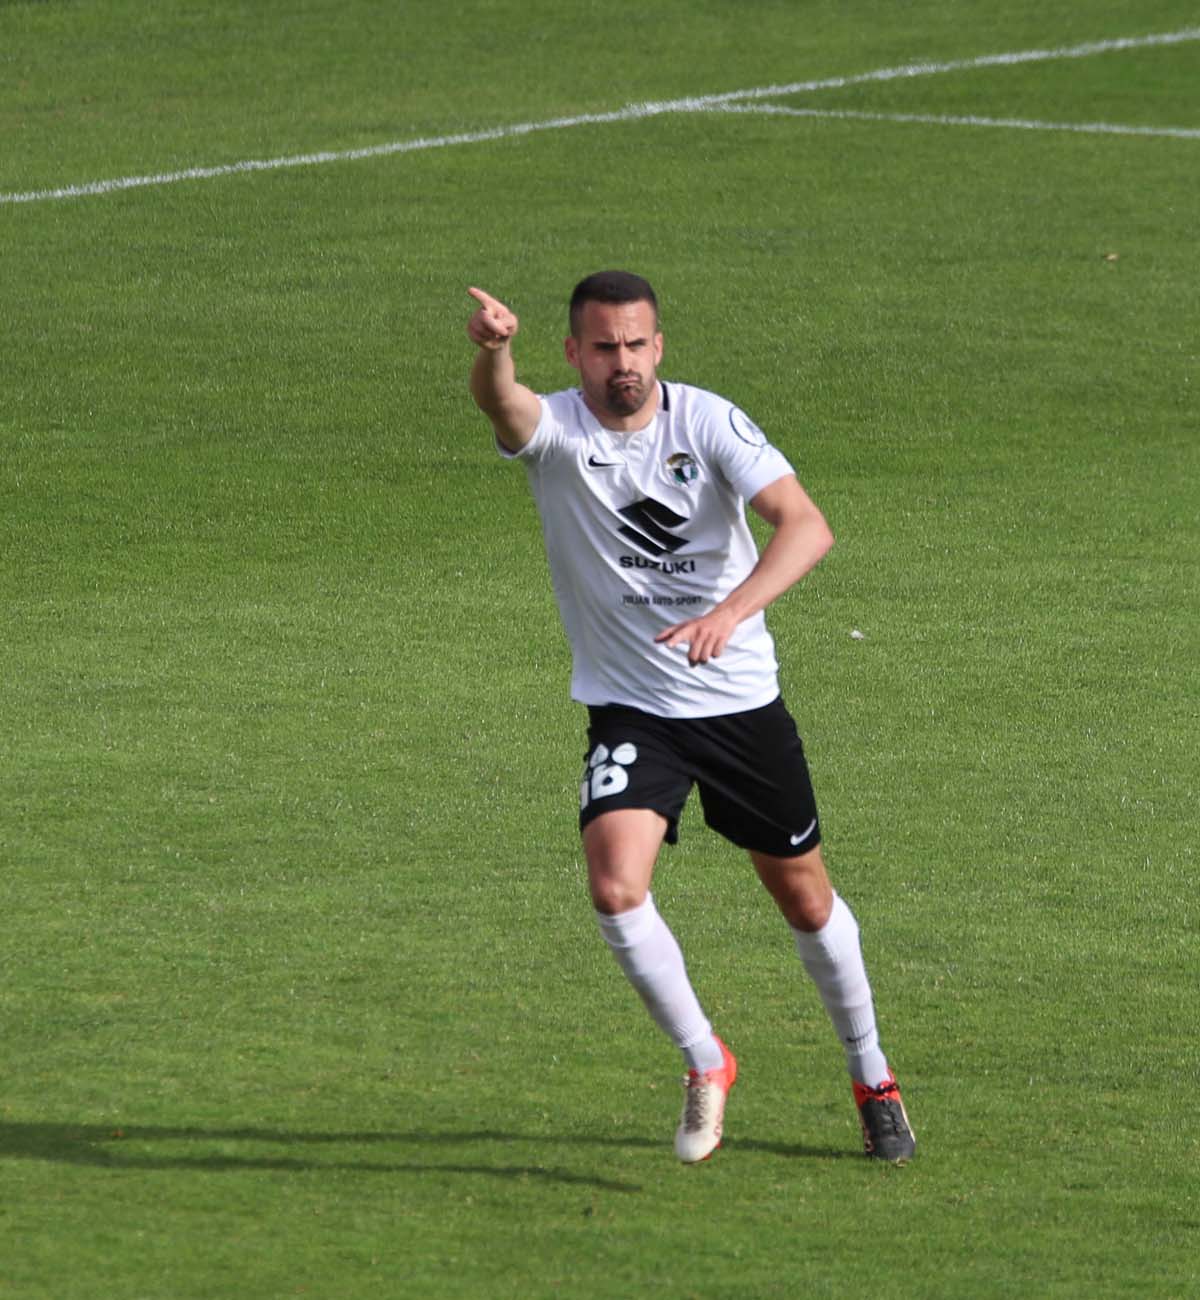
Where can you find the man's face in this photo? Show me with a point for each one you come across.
(616, 349)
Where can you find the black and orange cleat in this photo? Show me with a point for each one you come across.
(886, 1131)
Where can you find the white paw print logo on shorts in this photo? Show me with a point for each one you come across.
(606, 772)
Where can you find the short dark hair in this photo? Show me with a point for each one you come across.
(610, 286)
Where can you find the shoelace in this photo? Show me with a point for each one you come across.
(695, 1113)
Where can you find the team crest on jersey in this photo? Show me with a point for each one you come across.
(683, 468)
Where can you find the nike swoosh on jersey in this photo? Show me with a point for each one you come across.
(593, 463)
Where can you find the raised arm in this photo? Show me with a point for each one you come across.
(513, 409)
(799, 542)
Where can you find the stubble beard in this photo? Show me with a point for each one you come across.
(626, 396)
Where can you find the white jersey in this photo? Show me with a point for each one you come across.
(644, 530)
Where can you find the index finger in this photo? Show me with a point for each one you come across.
(485, 299)
(673, 635)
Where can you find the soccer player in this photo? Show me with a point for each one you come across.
(641, 486)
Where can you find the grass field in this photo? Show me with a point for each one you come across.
(301, 993)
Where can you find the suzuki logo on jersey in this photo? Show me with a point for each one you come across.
(662, 566)
(648, 526)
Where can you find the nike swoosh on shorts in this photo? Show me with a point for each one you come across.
(805, 833)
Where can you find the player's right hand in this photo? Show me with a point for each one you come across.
(493, 324)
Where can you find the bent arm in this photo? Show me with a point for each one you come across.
(800, 540)
(513, 409)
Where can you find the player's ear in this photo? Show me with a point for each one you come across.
(658, 348)
(571, 349)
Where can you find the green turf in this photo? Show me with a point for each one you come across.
(300, 991)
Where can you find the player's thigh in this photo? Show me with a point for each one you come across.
(633, 762)
(621, 848)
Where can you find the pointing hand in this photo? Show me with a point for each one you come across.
(705, 637)
(493, 324)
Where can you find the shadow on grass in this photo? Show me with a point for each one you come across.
(113, 1147)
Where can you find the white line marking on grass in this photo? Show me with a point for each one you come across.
(939, 119)
(317, 159)
(631, 112)
(1084, 51)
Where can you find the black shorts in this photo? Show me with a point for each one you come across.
(749, 767)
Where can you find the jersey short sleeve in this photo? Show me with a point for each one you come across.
(552, 433)
(748, 461)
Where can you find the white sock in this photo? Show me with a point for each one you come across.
(647, 952)
(833, 957)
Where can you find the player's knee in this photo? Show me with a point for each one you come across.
(807, 910)
(615, 894)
